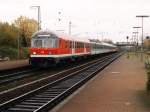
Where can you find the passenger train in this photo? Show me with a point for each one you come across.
(49, 47)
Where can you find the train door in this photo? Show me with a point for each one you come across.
(85, 46)
(73, 47)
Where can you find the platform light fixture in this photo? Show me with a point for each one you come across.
(137, 27)
(142, 16)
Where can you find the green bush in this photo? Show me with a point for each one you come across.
(12, 53)
(148, 76)
(25, 53)
(148, 85)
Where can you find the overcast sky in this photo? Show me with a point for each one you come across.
(112, 19)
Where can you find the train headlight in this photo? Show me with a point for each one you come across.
(34, 52)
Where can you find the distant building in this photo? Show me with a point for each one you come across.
(125, 45)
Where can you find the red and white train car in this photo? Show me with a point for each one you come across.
(48, 47)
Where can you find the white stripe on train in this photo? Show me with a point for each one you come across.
(60, 55)
(68, 55)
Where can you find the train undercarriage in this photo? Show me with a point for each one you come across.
(50, 61)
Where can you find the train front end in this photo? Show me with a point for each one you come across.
(43, 49)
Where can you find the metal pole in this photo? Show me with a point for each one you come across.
(69, 27)
(137, 38)
(39, 16)
(142, 33)
(142, 16)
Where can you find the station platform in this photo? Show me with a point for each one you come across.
(4, 65)
(120, 87)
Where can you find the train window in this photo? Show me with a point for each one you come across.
(82, 45)
(79, 45)
(46, 41)
(66, 44)
(37, 43)
(70, 44)
(87, 45)
(60, 44)
(75, 44)
(50, 43)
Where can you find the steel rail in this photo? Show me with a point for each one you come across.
(45, 97)
(19, 90)
(7, 78)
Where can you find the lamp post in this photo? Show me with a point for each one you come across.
(137, 27)
(39, 16)
(142, 16)
(127, 41)
(136, 36)
(70, 27)
(136, 39)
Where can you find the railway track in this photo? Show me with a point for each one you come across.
(16, 74)
(14, 70)
(17, 87)
(47, 96)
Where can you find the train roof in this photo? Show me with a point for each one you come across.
(103, 44)
(59, 35)
(43, 32)
(55, 34)
(107, 44)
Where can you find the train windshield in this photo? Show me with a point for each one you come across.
(37, 43)
(44, 42)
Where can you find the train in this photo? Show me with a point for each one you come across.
(49, 47)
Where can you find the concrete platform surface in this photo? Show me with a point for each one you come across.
(13, 64)
(121, 87)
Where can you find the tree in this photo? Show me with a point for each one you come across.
(8, 35)
(26, 28)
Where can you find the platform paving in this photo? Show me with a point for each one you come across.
(121, 87)
(13, 64)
